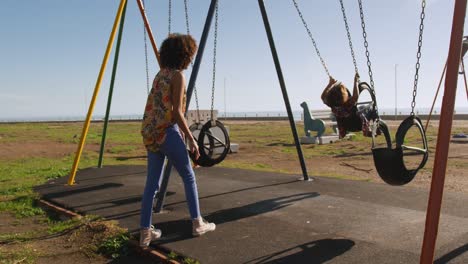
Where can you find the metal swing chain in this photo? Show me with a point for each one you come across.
(345, 19)
(215, 42)
(369, 65)
(418, 55)
(146, 54)
(311, 38)
(169, 18)
(187, 26)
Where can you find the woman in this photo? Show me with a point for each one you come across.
(164, 129)
(343, 105)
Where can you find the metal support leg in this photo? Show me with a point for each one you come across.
(84, 132)
(163, 188)
(111, 88)
(283, 88)
(443, 138)
(148, 30)
(192, 81)
(435, 98)
(464, 78)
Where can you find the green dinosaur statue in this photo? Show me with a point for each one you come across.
(312, 124)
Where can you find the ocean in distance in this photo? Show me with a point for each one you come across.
(297, 115)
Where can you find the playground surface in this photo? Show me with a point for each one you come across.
(268, 217)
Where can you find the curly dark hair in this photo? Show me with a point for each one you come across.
(177, 51)
(335, 96)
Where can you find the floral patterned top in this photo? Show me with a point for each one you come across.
(158, 111)
(346, 115)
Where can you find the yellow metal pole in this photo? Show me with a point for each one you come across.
(71, 179)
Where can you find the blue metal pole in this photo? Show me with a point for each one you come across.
(283, 88)
(193, 78)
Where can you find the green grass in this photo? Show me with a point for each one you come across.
(17, 237)
(23, 256)
(121, 149)
(18, 176)
(115, 246)
(55, 226)
(127, 133)
(22, 206)
(21, 175)
(184, 260)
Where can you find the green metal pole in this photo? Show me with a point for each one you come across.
(111, 88)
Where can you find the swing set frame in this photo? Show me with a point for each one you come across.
(120, 17)
(445, 123)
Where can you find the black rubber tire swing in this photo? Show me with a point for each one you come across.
(195, 129)
(209, 143)
(390, 163)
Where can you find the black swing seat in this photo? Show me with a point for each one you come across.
(389, 161)
(213, 150)
(353, 123)
(196, 129)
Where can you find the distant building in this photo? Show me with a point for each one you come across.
(205, 115)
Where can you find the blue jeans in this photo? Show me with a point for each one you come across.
(174, 149)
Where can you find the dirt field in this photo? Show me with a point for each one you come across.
(352, 158)
(263, 146)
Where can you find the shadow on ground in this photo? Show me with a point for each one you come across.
(79, 190)
(181, 229)
(452, 255)
(315, 252)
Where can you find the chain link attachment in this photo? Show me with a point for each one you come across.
(215, 43)
(369, 64)
(418, 56)
(169, 17)
(345, 19)
(146, 54)
(311, 38)
(187, 26)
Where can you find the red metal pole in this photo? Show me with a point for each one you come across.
(443, 138)
(435, 98)
(148, 29)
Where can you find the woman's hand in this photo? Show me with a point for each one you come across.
(356, 88)
(327, 89)
(356, 77)
(193, 147)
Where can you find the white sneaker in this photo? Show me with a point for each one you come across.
(200, 226)
(147, 235)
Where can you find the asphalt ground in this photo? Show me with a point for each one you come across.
(265, 217)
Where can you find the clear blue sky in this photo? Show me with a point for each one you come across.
(51, 51)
